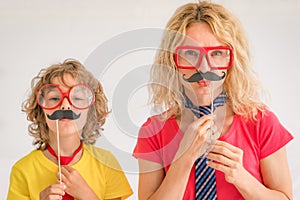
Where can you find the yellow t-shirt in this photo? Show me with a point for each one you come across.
(100, 169)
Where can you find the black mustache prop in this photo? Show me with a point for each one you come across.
(211, 76)
(63, 114)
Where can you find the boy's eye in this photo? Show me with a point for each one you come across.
(77, 99)
(54, 99)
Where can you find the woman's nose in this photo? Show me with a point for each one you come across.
(65, 104)
(203, 65)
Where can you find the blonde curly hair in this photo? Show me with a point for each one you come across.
(97, 112)
(242, 86)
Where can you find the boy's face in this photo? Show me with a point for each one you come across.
(67, 127)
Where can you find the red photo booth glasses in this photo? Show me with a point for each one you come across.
(80, 96)
(190, 57)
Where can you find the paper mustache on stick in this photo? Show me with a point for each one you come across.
(211, 76)
(63, 114)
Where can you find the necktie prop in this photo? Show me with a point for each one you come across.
(205, 179)
(64, 160)
(200, 111)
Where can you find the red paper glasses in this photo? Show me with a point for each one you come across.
(80, 96)
(190, 57)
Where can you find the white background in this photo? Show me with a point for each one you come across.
(38, 33)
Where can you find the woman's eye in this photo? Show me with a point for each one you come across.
(191, 53)
(217, 53)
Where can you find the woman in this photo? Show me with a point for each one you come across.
(204, 57)
(67, 108)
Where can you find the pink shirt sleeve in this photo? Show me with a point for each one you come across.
(272, 134)
(147, 146)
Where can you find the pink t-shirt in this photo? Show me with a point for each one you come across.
(159, 141)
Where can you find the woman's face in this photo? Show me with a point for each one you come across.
(67, 127)
(200, 35)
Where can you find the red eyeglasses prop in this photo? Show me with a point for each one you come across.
(190, 57)
(80, 96)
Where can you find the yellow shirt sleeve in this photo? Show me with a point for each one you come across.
(30, 175)
(18, 186)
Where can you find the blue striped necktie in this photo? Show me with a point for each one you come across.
(205, 178)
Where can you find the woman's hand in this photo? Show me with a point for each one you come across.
(274, 170)
(53, 192)
(192, 143)
(228, 159)
(75, 184)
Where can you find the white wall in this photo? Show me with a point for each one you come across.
(37, 33)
